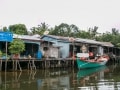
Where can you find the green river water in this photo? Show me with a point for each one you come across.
(105, 77)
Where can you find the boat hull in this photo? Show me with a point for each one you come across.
(86, 64)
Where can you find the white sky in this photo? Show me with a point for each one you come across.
(83, 13)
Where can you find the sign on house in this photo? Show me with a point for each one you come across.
(82, 54)
(6, 36)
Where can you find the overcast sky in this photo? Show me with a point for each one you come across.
(83, 13)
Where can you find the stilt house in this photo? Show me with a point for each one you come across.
(70, 46)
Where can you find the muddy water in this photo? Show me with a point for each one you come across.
(106, 77)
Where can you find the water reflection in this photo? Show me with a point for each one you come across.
(86, 78)
(55, 80)
(34, 80)
(106, 77)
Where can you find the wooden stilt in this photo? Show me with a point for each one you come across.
(45, 64)
(0, 65)
(19, 65)
(33, 65)
(73, 63)
(13, 65)
(5, 65)
(66, 63)
(29, 65)
(59, 63)
(16, 65)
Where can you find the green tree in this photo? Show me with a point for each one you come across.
(118, 45)
(115, 31)
(34, 30)
(59, 30)
(5, 29)
(74, 30)
(113, 37)
(16, 47)
(93, 32)
(115, 40)
(0, 53)
(106, 37)
(40, 29)
(18, 29)
(54, 31)
(62, 30)
(84, 34)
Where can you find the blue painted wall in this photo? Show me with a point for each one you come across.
(64, 50)
(64, 46)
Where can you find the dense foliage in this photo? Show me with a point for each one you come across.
(18, 29)
(67, 30)
(17, 46)
(113, 37)
(40, 29)
(0, 53)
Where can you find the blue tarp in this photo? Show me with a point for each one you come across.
(39, 55)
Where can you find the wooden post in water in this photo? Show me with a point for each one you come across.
(6, 65)
(59, 63)
(45, 64)
(73, 51)
(13, 65)
(0, 65)
(29, 65)
(19, 65)
(73, 57)
(33, 65)
(73, 42)
(6, 58)
(16, 62)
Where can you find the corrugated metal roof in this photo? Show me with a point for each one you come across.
(89, 41)
(108, 44)
(27, 37)
(56, 37)
(75, 39)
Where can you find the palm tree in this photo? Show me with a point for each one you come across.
(115, 31)
(93, 32)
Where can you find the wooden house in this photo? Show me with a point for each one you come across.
(32, 45)
(70, 46)
(62, 42)
(38, 48)
(48, 50)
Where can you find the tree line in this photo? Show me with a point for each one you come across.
(67, 30)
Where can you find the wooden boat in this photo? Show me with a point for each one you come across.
(90, 63)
